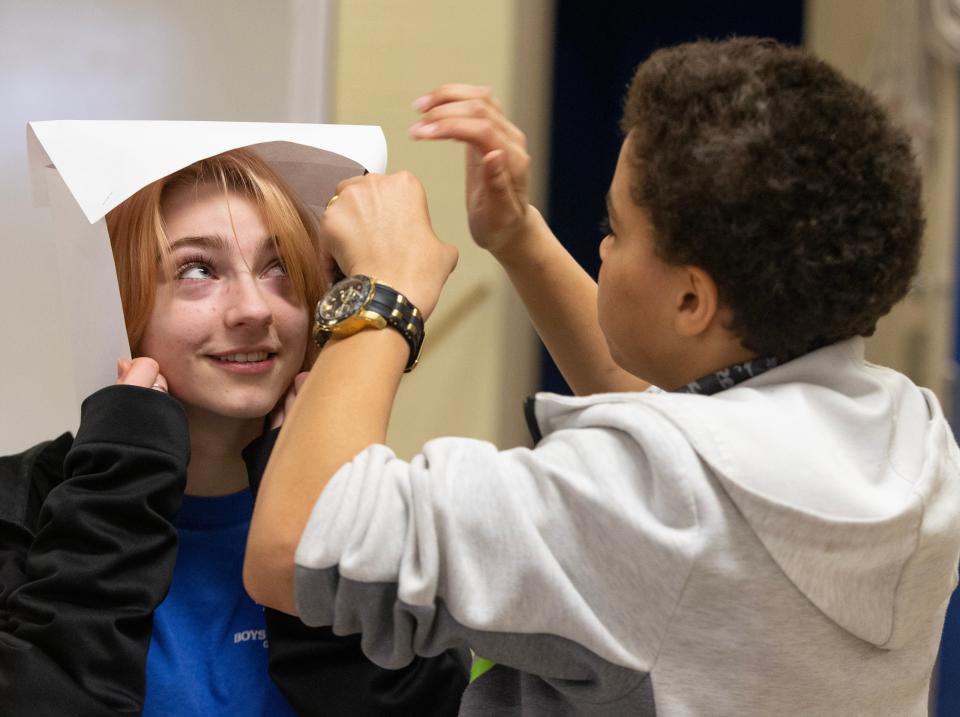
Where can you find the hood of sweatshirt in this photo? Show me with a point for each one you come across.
(847, 473)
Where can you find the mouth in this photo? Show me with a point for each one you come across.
(246, 362)
(245, 357)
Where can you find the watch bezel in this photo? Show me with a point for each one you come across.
(329, 325)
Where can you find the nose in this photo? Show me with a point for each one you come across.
(246, 303)
(603, 246)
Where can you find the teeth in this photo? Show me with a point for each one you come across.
(245, 358)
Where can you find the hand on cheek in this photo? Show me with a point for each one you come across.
(286, 403)
(141, 371)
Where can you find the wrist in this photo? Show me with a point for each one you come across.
(383, 350)
(526, 242)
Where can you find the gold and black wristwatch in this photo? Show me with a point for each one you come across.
(361, 302)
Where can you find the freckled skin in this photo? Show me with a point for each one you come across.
(224, 298)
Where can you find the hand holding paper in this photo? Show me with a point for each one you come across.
(380, 226)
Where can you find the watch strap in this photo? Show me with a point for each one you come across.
(401, 315)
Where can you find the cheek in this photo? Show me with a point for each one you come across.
(604, 298)
(293, 326)
(173, 330)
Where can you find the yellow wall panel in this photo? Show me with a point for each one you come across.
(480, 357)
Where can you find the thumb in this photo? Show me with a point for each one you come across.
(123, 368)
(496, 176)
(299, 380)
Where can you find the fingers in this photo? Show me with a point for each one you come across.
(482, 133)
(343, 184)
(380, 226)
(496, 173)
(454, 92)
(472, 115)
(284, 407)
(141, 371)
(467, 113)
(299, 380)
(477, 110)
(292, 394)
(486, 139)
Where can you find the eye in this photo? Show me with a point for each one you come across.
(276, 269)
(194, 269)
(605, 228)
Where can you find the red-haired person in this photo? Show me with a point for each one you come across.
(122, 548)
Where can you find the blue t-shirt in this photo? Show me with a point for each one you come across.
(208, 653)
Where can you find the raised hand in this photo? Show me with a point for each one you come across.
(141, 371)
(497, 159)
(379, 225)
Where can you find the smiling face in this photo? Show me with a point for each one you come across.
(226, 326)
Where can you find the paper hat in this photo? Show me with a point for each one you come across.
(83, 169)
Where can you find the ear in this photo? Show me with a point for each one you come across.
(697, 303)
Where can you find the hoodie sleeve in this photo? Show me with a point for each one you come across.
(321, 673)
(566, 560)
(75, 632)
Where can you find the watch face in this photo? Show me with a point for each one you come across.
(344, 299)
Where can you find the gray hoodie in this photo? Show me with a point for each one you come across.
(785, 546)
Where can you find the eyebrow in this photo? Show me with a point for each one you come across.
(209, 242)
(216, 242)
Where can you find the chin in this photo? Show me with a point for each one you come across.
(239, 407)
(243, 412)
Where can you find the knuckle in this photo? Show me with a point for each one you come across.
(477, 108)
(410, 179)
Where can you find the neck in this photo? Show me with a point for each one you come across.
(708, 358)
(216, 465)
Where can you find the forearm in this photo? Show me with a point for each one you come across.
(78, 628)
(561, 299)
(343, 408)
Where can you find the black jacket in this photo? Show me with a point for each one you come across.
(87, 549)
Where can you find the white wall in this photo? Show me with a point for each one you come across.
(256, 60)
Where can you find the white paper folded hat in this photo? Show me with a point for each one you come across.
(83, 169)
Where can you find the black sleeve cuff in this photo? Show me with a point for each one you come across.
(136, 417)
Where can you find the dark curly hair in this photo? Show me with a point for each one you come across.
(783, 180)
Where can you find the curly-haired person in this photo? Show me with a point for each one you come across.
(738, 515)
